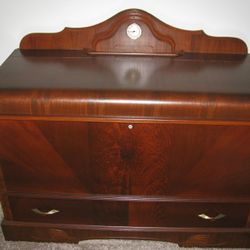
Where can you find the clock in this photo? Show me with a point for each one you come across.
(134, 31)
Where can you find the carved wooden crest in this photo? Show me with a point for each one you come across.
(134, 32)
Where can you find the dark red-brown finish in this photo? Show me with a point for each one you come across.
(189, 237)
(132, 213)
(126, 138)
(111, 37)
(121, 86)
(110, 158)
(89, 212)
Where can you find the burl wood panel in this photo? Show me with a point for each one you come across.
(157, 38)
(66, 141)
(109, 158)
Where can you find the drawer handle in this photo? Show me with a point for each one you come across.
(217, 217)
(50, 212)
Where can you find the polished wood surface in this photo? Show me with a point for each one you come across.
(89, 212)
(143, 139)
(110, 158)
(188, 237)
(116, 86)
(129, 213)
(111, 37)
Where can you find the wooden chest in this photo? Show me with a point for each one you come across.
(127, 129)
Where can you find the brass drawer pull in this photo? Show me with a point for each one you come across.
(217, 217)
(50, 212)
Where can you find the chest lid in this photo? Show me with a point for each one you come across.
(130, 66)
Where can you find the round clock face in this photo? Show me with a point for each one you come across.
(134, 31)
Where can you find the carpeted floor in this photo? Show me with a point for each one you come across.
(91, 245)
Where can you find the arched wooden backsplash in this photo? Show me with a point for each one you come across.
(111, 36)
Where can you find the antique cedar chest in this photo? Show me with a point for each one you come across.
(127, 129)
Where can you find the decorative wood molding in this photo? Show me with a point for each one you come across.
(111, 36)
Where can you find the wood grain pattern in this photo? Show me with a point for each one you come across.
(188, 237)
(118, 160)
(128, 138)
(157, 38)
(117, 87)
(75, 211)
(128, 213)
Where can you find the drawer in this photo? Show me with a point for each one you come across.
(129, 213)
(189, 214)
(74, 211)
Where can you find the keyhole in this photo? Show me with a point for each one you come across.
(130, 126)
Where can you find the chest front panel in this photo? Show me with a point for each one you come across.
(124, 158)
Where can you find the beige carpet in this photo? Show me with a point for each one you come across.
(91, 245)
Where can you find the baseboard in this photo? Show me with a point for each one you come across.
(72, 233)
